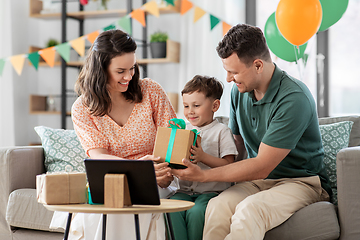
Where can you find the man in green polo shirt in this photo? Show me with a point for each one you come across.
(273, 118)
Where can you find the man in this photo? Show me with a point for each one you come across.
(273, 118)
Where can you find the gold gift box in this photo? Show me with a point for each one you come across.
(61, 188)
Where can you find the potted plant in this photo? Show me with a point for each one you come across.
(158, 44)
(51, 43)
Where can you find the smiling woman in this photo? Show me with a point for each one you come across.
(117, 116)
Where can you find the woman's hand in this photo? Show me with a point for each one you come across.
(150, 157)
(163, 174)
(197, 152)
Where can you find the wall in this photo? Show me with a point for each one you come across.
(198, 55)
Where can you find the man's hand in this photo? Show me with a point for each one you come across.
(191, 173)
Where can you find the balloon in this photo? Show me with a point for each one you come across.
(298, 20)
(278, 44)
(333, 10)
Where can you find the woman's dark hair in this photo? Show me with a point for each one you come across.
(248, 42)
(209, 86)
(93, 77)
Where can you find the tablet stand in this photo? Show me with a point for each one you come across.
(116, 191)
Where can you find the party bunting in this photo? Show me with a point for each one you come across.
(110, 27)
(170, 2)
(185, 6)
(152, 8)
(79, 46)
(125, 24)
(198, 14)
(92, 36)
(18, 63)
(2, 65)
(34, 58)
(48, 54)
(139, 15)
(64, 51)
(213, 21)
(226, 27)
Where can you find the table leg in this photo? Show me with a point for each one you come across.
(169, 226)
(137, 228)
(104, 227)
(66, 234)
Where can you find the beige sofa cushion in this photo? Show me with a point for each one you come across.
(24, 211)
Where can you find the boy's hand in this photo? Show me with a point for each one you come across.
(197, 152)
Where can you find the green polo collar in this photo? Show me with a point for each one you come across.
(272, 90)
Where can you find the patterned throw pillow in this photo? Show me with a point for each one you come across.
(62, 148)
(335, 137)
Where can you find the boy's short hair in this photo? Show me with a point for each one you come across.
(210, 86)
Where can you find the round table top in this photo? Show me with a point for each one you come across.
(166, 205)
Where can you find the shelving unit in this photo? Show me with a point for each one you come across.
(38, 103)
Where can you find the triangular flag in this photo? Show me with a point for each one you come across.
(92, 36)
(2, 65)
(139, 15)
(152, 8)
(170, 2)
(185, 6)
(18, 63)
(125, 24)
(198, 14)
(226, 27)
(79, 45)
(110, 27)
(48, 54)
(213, 21)
(34, 58)
(64, 51)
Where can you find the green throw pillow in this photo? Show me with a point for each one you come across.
(62, 148)
(334, 137)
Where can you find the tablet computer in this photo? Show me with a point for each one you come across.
(140, 176)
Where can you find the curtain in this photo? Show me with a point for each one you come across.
(198, 45)
(7, 133)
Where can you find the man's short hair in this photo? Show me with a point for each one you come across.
(210, 86)
(247, 41)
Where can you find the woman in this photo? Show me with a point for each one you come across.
(116, 117)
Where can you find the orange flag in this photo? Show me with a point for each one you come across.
(185, 6)
(78, 45)
(152, 8)
(48, 54)
(139, 15)
(18, 63)
(92, 36)
(226, 27)
(198, 14)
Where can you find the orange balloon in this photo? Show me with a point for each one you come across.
(298, 20)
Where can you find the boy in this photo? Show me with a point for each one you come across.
(201, 99)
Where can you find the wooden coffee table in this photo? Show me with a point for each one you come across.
(166, 206)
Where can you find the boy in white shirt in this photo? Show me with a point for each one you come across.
(201, 99)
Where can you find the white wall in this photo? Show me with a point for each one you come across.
(30, 31)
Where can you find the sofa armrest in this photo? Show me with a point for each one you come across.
(20, 165)
(18, 169)
(348, 180)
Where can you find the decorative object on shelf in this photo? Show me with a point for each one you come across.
(102, 4)
(52, 42)
(50, 6)
(158, 44)
(50, 104)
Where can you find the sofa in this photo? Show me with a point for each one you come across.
(22, 217)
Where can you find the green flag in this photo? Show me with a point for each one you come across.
(170, 2)
(213, 21)
(125, 24)
(64, 51)
(34, 58)
(2, 64)
(110, 27)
